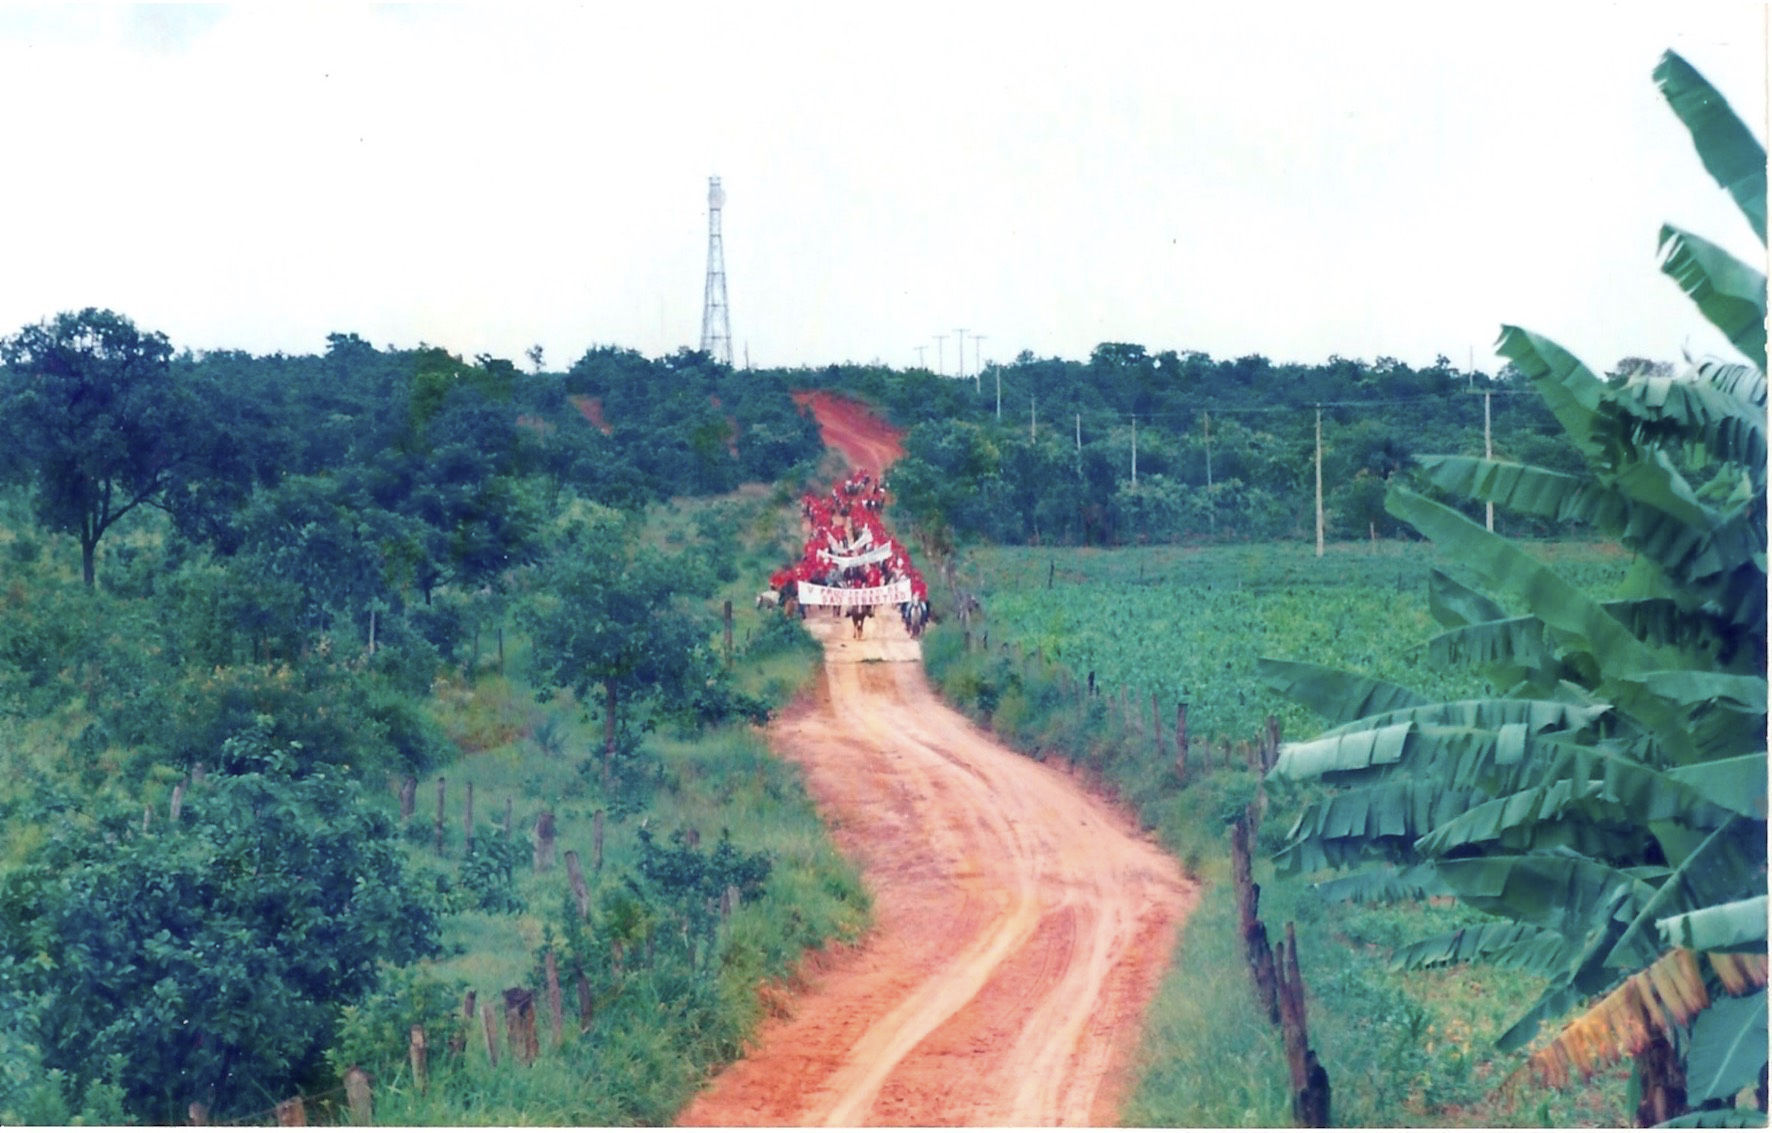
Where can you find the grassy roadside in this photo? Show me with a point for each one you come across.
(1400, 1048)
(676, 990)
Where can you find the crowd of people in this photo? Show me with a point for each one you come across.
(849, 549)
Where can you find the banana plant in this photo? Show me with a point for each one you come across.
(1605, 809)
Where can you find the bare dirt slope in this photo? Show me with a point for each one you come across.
(1022, 925)
(853, 429)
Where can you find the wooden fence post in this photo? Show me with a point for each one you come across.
(178, 802)
(408, 797)
(1157, 727)
(292, 1111)
(520, 1024)
(417, 1052)
(556, 1002)
(585, 1004)
(486, 1018)
(726, 616)
(458, 1042)
(467, 818)
(359, 1097)
(1181, 740)
(438, 831)
(575, 876)
(1310, 1082)
(1255, 943)
(544, 841)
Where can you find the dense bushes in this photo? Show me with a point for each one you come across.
(200, 958)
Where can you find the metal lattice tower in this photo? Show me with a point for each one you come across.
(716, 327)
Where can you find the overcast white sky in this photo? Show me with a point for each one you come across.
(1290, 179)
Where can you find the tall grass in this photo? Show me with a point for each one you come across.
(664, 1022)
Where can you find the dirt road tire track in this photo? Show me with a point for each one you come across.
(1022, 925)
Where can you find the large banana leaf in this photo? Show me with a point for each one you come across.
(1515, 647)
(1332, 692)
(1737, 783)
(1617, 797)
(1383, 885)
(1570, 390)
(1560, 891)
(1378, 820)
(1741, 383)
(1731, 926)
(1714, 873)
(1646, 503)
(1729, 293)
(1728, 1047)
(1459, 757)
(1736, 692)
(1714, 405)
(1537, 715)
(1452, 603)
(1700, 634)
(1506, 944)
(1725, 144)
(1562, 607)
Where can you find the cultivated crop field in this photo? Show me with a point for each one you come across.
(1188, 623)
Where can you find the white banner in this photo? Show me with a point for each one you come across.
(862, 541)
(891, 594)
(844, 562)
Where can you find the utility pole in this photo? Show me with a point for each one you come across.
(998, 371)
(1488, 454)
(939, 339)
(1319, 481)
(1079, 446)
(977, 361)
(920, 350)
(960, 337)
(1135, 450)
(1032, 417)
(1207, 417)
(1211, 511)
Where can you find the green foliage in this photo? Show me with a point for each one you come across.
(1224, 447)
(373, 1032)
(1617, 781)
(92, 409)
(489, 868)
(201, 960)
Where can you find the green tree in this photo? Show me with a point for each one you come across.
(1608, 807)
(205, 958)
(618, 617)
(91, 405)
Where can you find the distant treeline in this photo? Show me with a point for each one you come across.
(1224, 447)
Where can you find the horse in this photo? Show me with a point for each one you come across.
(859, 615)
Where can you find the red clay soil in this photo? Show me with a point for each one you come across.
(853, 429)
(592, 408)
(1022, 924)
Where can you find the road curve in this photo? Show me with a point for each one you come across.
(1022, 925)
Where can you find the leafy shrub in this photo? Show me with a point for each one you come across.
(489, 869)
(204, 961)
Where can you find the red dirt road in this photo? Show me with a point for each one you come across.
(1022, 925)
(853, 429)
